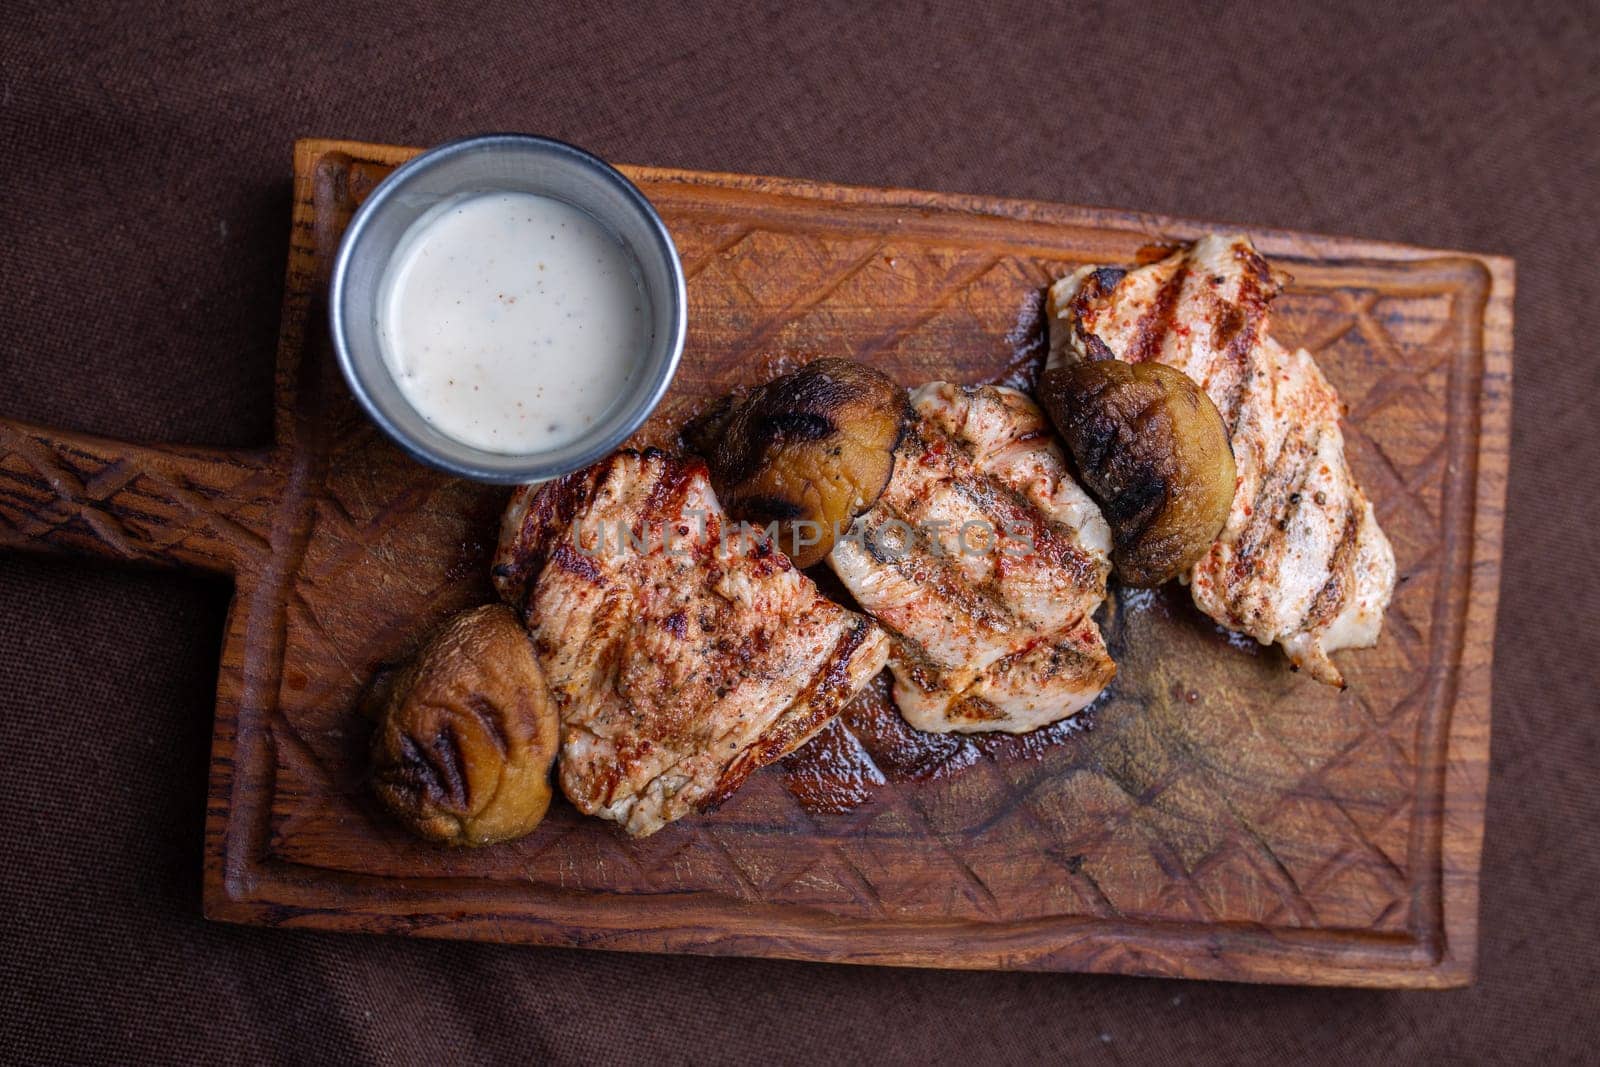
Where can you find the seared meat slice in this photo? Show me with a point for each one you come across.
(683, 653)
(985, 560)
(1301, 560)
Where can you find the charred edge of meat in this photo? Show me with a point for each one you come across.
(1102, 282)
(1156, 251)
(550, 513)
(1098, 285)
(550, 510)
(1256, 268)
(1095, 349)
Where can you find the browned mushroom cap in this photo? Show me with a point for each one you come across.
(467, 734)
(1151, 448)
(808, 451)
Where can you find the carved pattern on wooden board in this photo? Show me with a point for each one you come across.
(1221, 817)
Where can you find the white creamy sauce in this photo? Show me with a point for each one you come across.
(512, 322)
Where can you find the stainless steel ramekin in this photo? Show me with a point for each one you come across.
(501, 163)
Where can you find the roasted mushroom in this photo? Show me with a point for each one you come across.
(467, 732)
(808, 452)
(1151, 448)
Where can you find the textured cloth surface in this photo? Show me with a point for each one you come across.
(143, 222)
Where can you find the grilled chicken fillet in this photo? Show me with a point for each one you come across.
(985, 561)
(1301, 561)
(683, 654)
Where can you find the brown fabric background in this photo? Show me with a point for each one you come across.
(144, 193)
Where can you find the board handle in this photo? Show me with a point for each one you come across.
(169, 505)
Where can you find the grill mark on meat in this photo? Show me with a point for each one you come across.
(1238, 396)
(910, 651)
(1262, 544)
(550, 511)
(1018, 655)
(1073, 662)
(940, 574)
(1051, 541)
(924, 673)
(664, 502)
(1330, 599)
(572, 561)
(1257, 269)
(1251, 308)
(971, 708)
(1000, 500)
(1230, 320)
(1151, 331)
(981, 601)
(1284, 481)
(829, 691)
(830, 687)
(916, 563)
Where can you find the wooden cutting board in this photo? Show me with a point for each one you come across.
(1222, 817)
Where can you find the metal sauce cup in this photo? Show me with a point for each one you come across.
(501, 163)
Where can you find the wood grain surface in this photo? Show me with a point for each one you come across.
(1221, 817)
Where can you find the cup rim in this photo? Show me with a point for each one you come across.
(533, 467)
